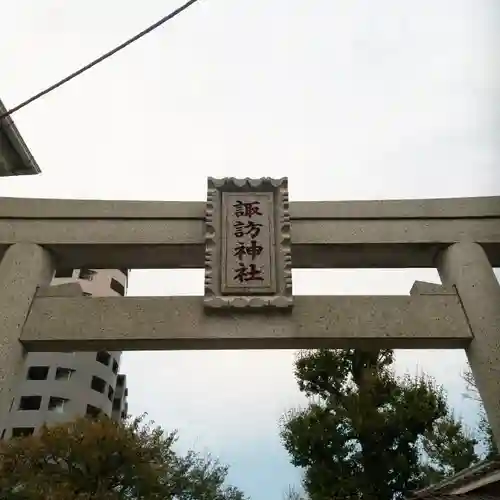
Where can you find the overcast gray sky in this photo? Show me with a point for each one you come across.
(351, 99)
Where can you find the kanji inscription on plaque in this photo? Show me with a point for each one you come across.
(247, 243)
(247, 262)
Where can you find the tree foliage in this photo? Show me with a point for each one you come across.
(367, 433)
(486, 433)
(101, 459)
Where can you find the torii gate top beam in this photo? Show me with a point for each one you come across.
(353, 234)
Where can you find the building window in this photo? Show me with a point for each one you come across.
(103, 357)
(87, 274)
(120, 380)
(38, 372)
(92, 411)
(64, 273)
(30, 403)
(57, 404)
(64, 373)
(3, 434)
(111, 393)
(98, 384)
(117, 287)
(87, 294)
(18, 432)
(115, 366)
(124, 415)
(126, 392)
(117, 404)
(124, 271)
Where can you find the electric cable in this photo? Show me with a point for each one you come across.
(101, 58)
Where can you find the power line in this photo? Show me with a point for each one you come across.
(112, 52)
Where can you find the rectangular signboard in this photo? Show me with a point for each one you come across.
(248, 261)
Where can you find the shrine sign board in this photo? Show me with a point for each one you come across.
(248, 252)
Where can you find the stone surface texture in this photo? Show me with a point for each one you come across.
(343, 234)
(23, 270)
(247, 244)
(466, 267)
(154, 323)
(425, 288)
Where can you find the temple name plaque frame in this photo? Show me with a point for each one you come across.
(248, 252)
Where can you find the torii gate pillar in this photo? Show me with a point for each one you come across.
(24, 268)
(466, 267)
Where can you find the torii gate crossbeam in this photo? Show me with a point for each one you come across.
(162, 235)
(423, 320)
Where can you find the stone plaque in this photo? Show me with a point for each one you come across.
(247, 260)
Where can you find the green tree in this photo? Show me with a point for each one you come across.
(367, 433)
(101, 459)
(486, 439)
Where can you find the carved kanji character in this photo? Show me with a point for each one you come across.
(248, 273)
(251, 228)
(253, 250)
(246, 209)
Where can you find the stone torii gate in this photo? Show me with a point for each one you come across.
(247, 223)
